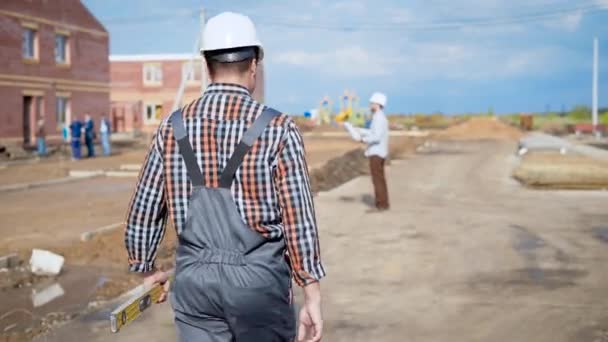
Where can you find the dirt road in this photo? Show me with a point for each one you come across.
(319, 149)
(57, 215)
(465, 254)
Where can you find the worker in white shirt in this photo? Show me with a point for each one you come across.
(376, 138)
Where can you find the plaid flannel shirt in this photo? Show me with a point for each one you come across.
(271, 188)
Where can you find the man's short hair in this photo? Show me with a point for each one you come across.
(230, 61)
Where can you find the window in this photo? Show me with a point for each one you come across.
(61, 49)
(153, 74)
(30, 43)
(192, 73)
(63, 111)
(153, 113)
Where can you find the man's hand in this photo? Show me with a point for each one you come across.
(161, 278)
(311, 320)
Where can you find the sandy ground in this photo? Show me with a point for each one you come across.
(58, 168)
(318, 149)
(556, 171)
(66, 210)
(465, 254)
(481, 128)
(53, 217)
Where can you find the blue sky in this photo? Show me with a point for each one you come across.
(452, 56)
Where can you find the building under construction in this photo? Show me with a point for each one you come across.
(54, 66)
(144, 88)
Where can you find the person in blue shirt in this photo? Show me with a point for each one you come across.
(89, 135)
(76, 133)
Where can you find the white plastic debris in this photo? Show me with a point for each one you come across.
(45, 263)
(522, 151)
(48, 294)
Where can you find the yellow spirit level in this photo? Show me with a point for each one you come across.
(140, 298)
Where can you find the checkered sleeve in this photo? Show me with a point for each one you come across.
(297, 208)
(147, 213)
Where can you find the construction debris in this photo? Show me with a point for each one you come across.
(9, 261)
(86, 236)
(46, 295)
(130, 167)
(46, 263)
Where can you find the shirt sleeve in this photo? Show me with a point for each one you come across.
(375, 132)
(297, 208)
(147, 214)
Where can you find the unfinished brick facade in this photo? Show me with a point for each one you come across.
(140, 100)
(33, 82)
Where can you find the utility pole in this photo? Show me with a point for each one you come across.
(202, 42)
(180, 91)
(595, 81)
(196, 54)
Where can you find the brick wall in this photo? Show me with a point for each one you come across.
(129, 91)
(85, 80)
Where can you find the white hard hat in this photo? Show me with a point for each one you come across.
(230, 30)
(378, 98)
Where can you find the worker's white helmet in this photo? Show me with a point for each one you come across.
(230, 30)
(378, 98)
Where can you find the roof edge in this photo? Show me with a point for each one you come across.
(153, 57)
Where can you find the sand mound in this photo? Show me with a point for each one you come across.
(482, 128)
(338, 171)
(556, 171)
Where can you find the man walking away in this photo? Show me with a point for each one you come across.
(250, 222)
(89, 135)
(76, 134)
(41, 138)
(376, 138)
(104, 130)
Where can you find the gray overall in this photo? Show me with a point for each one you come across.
(231, 283)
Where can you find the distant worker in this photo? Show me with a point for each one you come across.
(376, 138)
(41, 138)
(105, 131)
(232, 175)
(75, 136)
(89, 135)
(65, 134)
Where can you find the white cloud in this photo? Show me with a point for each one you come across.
(349, 61)
(400, 16)
(569, 22)
(349, 6)
(422, 61)
(471, 62)
(602, 3)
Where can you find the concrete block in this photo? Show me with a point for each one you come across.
(9, 261)
(86, 236)
(85, 173)
(121, 173)
(46, 263)
(130, 167)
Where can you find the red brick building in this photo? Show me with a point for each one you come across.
(144, 87)
(54, 66)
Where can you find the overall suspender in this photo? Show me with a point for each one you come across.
(235, 161)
